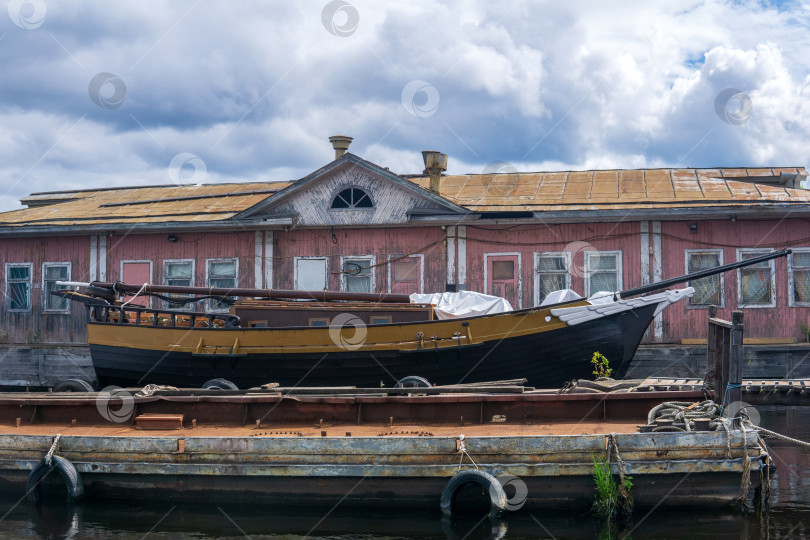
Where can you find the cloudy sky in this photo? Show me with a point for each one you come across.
(99, 94)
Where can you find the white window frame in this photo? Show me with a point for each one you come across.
(208, 262)
(325, 269)
(30, 267)
(45, 290)
(519, 272)
(791, 301)
(771, 266)
(371, 260)
(566, 256)
(722, 304)
(587, 269)
(188, 307)
(390, 266)
(151, 275)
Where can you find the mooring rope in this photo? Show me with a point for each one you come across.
(150, 389)
(462, 449)
(745, 481)
(143, 287)
(49, 455)
(775, 435)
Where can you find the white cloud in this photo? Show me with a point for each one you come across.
(255, 89)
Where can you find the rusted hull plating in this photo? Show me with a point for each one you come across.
(682, 469)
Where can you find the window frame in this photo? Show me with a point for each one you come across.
(791, 301)
(30, 281)
(166, 262)
(208, 262)
(722, 304)
(771, 266)
(351, 208)
(587, 269)
(45, 309)
(567, 257)
(344, 277)
(392, 262)
(312, 257)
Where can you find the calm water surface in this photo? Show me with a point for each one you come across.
(789, 516)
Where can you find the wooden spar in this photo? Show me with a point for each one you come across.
(652, 287)
(271, 294)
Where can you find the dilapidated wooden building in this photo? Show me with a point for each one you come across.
(354, 225)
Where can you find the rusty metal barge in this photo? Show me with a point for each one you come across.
(365, 449)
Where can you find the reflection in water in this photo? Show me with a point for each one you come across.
(789, 516)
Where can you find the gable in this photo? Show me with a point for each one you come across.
(311, 204)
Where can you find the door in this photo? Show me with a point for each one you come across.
(503, 277)
(137, 273)
(406, 275)
(310, 274)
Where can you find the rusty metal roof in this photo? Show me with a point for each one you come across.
(505, 192)
(214, 202)
(619, 189)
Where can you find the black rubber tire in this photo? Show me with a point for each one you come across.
(219, 384)
(73, 385)
(73, 480)
(413, 381)
(497, 496)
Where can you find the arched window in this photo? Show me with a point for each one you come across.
(352, 198)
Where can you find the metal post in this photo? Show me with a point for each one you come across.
(714, 374)
(736, 357)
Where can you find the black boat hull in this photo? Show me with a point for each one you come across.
(547, 359)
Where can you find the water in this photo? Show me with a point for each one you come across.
(789, 515)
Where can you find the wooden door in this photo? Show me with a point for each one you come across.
(406, 275)
(137, 273)
(503, 277)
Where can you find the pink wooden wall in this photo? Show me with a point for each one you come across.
(334, 243)
(782, 321)
(37, 325)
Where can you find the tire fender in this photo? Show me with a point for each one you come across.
(72, 478)
(497, 496)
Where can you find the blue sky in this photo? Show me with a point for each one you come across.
(95, 94)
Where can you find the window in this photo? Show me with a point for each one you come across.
(708, 290)
(222, 273)
(380, 319)
(178, 273)
(51, 273)
(406, 270)
(603, 271)
(551, 273)
(351, 198)
(310, 273)
(319, 322)
(357, 274)
(18, 286)
(800, 277)
(755, 285)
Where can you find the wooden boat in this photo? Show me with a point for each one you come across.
(361, 339)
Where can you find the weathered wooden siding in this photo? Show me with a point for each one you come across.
(530, 239)
(312, 206)
(37, 326)
(381, 243)
(782, 321)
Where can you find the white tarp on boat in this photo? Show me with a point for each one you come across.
(463, 304)
(558, 297)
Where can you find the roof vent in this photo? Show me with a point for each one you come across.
(435, 163)
(340, 143)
